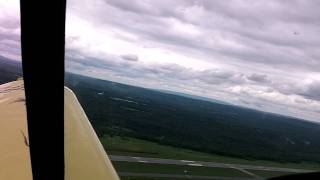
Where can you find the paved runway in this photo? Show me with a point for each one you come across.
(203, 163)
(175, 176)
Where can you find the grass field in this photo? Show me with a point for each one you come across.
(176, 169)
(136, 147)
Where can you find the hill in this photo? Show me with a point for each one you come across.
(10, 70)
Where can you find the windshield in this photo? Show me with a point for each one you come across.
(196, 88)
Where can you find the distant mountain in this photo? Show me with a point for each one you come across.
(193, 96)
(10, 70)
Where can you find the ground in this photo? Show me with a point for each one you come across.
(135, 147)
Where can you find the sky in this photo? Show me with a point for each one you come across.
(10, 29)
(258, 54)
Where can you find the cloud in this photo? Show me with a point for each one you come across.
(312, 91)
(130, 57)
(219, 33)
(244, 52)
(259, 78)
(10, 29)
(259, 54)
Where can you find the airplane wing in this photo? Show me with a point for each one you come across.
(85, 157)
(15, 161)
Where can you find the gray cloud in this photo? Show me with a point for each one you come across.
(130, 57)
(10, 30)
(276, 36)
(10, 44)
(312, 91)
(259, 78)
(265, 52)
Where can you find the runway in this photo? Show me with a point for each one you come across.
(175, 176)
(241, 167)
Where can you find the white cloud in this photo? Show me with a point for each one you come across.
(10, 29)
(258, 54)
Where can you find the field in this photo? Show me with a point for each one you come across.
(136, 121)
(135, 147)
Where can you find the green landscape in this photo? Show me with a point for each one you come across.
(135, 121)
(135, 147)
(127, 146)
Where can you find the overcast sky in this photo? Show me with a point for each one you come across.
(259, 54)
(10, 29)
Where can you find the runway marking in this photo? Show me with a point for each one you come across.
(246, 172)
(194, 164)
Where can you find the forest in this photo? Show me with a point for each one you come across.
(116, 109)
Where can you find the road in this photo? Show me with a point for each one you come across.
(240, 167)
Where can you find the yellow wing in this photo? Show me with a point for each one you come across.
(85, 157)
(15, 161)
